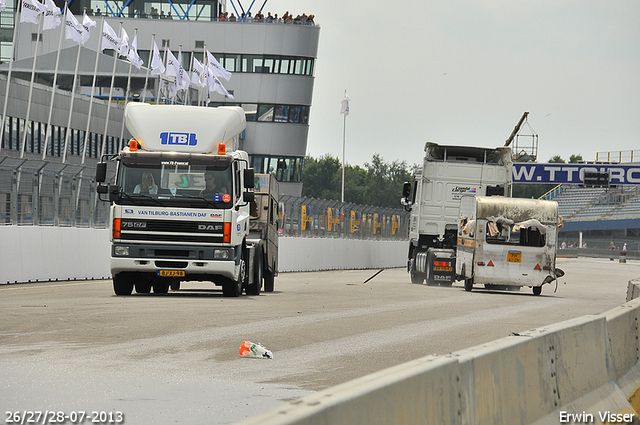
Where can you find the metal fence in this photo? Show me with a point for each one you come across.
(47, 194)
(40, 193)
(321, 218)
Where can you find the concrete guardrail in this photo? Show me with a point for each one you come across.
(47, 253)
(584, 370)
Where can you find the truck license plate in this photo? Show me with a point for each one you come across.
(514, 257)
(171, 273)
(443, 269)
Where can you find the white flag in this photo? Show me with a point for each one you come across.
(87, 23)
(109, 38)
(51, 15)
(3, 5)
(184, 81)
(156, 61)
(197, 72)
(31, 11)
(214, 84)
(216, 68)
(123, 50)
(345, 105)
(74, 30)
(173, 70)
(132, 55)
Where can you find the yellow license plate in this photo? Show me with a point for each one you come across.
(171, 273)
(442, 269)
(514, 257)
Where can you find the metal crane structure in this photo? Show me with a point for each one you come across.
(525, 147)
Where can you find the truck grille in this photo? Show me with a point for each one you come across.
(172, 231)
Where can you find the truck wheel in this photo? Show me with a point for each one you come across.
(256, 286)
(269, 278)
(160, 286)
(416, 277)
(175, 285)
(468, 284)
(537, 290)
(122, 284)
(143, 286)
(233, 288)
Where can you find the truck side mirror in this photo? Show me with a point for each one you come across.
(101, 172)
(406, 189)
(248, 178)
(249, 196)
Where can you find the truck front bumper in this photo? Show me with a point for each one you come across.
(197, 262)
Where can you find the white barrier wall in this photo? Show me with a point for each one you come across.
(309, 254)
(587, 367)
(42, 253)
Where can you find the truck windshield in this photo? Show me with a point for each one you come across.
(178, 184)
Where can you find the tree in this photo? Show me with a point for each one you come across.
(574, 159)
(557, 159)
(379, 183)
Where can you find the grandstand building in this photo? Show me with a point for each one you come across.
(272, 65)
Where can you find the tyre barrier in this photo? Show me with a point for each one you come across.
(584, 370)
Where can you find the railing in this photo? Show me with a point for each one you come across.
(37, 193)
(322, 218)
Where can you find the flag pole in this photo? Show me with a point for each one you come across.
(344, 140)
(93, 86)
(113, 77)
(55, 80)
(166, 46)
(33, 74)
(146, 77)
(126, 94)
(11, 60)
(73, 92)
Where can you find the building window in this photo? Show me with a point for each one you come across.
(286, 169)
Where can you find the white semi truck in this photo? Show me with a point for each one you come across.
(182, 201)
(448, 173)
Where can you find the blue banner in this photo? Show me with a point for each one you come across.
(526, 172)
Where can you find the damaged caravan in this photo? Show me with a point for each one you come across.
(506, 243)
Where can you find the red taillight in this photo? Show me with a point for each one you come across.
(547, 268)
(481, 263)
(116, 228)
(442, 263)
(227, 233)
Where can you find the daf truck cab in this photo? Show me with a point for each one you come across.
(181, 202)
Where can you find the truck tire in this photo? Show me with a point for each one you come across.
(143, 286)
(537, 290)
(269, 278)
(256, 286)
(468, 284)
(416, 276)
(122, 284)
(161, 286)
(175, 285)
(233, 288)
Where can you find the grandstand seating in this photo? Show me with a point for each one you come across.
(577, 203)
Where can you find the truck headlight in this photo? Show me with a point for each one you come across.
(121, 251)
(221, 254)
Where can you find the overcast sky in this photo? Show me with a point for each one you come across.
(464, 71)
